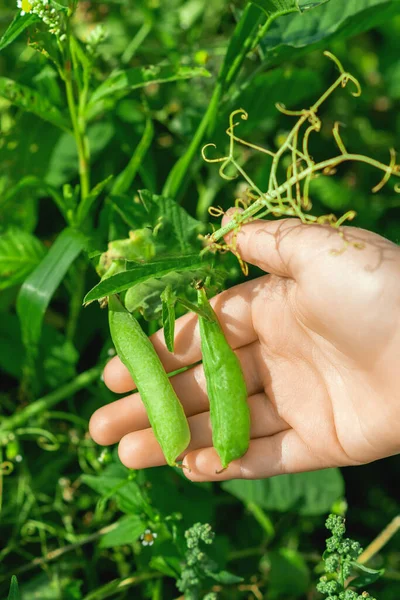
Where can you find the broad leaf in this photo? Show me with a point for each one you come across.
(146, 296)
(128, 530)
(294, 35)
(272, 7)
(139, 273)
(32, 101)
(166, 211)
(15, 29)
(304, 493)
(20, 253)
(40, 286)
(121, 82)
(114, 482)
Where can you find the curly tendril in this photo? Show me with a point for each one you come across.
(290, 197)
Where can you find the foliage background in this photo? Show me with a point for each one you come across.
(63, 491)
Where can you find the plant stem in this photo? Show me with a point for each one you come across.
(53, 554)
(78, 126)
(75, 304)
(382, 539)
(110, 589)
(39, 406)
(262, 519)
(228, 73)
(262, 201)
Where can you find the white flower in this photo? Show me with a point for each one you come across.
(147, 538)
(44, 11)
(25, 6)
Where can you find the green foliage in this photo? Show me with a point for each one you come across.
(198, 566)
(14, 594)
(340, 560)
(102, 124)
(20, 253)
(307, 493)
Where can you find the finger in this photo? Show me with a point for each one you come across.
(279, 454)
(112, 421)
(281, 247)
(140, 449)
(233, 308)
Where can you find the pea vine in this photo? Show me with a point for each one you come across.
(290, 198)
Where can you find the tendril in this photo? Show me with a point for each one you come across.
(290, 197)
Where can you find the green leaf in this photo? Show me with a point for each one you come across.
(367, 576)
(114, 482)
(272, 7)
(304, 6)
(168, 316)
(121, 82)
(146, 296)
(167, 211)
(292, 36)
(37, 184)
(32, 101)
(304, 493)
(64, 161)
(20, 253)
(14, 594)
(168, 565)
(224, 577)
(128, 530)
(139, 273)
(15, 29)
(288, 575)
(40, 286)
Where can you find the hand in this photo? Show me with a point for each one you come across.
(319, 343)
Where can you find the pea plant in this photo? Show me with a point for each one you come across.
(112, 121)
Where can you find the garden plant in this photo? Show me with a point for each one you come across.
(127, 130)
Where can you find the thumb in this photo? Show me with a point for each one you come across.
(281, 247)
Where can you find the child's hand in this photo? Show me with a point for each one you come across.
(319, 343)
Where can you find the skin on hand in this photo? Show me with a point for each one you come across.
(318, 339)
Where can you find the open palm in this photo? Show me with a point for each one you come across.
(319, 343)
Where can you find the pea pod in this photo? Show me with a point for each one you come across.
(137, 353)
(226, 388)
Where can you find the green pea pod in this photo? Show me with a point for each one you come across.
(137, 353)
(226, 388)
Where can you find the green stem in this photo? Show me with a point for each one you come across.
(75, 304)
(252, 43)
(180, 170)
(262, 201)
(262, 519)
(78, 127)
(39, 406)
